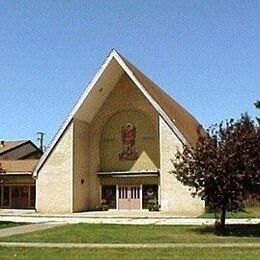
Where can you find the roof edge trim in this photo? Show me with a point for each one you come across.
(70, 116)
(17, 146)
(113, 54)
(151, 100)
(19, 173)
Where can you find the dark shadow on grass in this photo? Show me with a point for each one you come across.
(237, 230)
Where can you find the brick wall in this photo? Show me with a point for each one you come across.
(175, 197)
(54, 182)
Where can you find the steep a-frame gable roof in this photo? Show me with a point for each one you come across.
(190, 128)
(184, 125)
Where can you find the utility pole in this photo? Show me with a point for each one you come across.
(40, 139)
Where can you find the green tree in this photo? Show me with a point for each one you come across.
(224, 167)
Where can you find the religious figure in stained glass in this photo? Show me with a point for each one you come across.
(128, 136)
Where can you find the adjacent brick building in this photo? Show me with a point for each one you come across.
(17, 161)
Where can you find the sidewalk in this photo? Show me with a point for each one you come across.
(128, 221)
(5, 232)
(113, 217)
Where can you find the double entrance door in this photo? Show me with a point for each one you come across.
(129, 197)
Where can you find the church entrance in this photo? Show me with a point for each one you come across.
(129, 193)
(129, 197)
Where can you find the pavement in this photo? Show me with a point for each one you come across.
(113, 217)
(129, 245)
(5, 232)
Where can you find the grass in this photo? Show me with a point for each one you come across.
(176, 253)
(106, 233)
(8, 224)
(253, 212)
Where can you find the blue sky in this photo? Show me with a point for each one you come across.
(206, 54)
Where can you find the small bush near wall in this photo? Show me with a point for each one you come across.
(108, 197)
(150, 197)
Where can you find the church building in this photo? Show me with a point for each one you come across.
(114, 149)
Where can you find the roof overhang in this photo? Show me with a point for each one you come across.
(128, 174)
(108, 74)
(18, 173)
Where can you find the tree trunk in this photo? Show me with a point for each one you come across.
(223, 217)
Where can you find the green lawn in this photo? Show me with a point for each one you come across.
(253, 212)
(7, 224)
(105, 233)
(178, 253)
